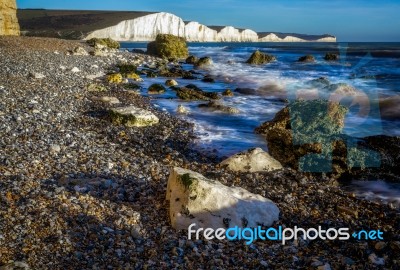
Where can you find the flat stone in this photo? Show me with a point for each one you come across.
(209, 204)
(132, 116)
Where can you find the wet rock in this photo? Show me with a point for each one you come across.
(219, 107)
(132, 116)
(208, 79)
(168, 46)
(305, 127)
(228, 93)
(331, 57)
(182, 109)
(196, 199)
(191, 60)
(321, 82)
(171, 83)
(156, 89)
(252, 160)
(203, 62)
(192, 92)
(306, 58)
(246, 91)
(259, 58)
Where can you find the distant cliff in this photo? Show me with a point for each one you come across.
(141, 26)
(8, 18)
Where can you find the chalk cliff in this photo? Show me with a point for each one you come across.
(8, 18)
(143, 28)
(140, 26)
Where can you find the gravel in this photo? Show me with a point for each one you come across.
(77, 192)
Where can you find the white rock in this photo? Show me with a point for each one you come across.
(182, 109)
(80, 51)
(75, 70)
(105, 99)
(252, 160)
(208, 203)
(37, 75)
(132, 116)
(55, 148)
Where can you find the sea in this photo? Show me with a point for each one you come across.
(373, 69)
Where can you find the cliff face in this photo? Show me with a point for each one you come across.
(8, 18)
(143, 28)
(140, 26)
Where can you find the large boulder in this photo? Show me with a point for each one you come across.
(209, 204)
(259, 58)
(301, 135)
(168, 46)
(307, 135)
(203, 62)
(132, 116)
(252, 160)
(8, 18)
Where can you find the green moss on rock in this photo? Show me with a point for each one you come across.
(259, 58)
(168, 46)
(192, 60)
(115, 78)
(307, 58)
(156, 89)
(107, 42)
(204, 62)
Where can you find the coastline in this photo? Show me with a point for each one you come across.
(55, 137)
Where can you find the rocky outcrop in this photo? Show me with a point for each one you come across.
(259, 58)
(252, 160)
(209, 204)
(8, 18)
(307, 135)
(168, 46)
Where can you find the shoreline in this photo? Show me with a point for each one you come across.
(72, 180)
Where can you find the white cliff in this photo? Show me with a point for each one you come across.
(146, 28)
(195, 31)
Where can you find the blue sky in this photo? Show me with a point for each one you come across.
(349, 20)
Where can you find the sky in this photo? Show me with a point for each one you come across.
(348, 20)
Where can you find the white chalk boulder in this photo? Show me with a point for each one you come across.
(209, 204)
(252, 160)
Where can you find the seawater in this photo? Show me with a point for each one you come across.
(372, 68)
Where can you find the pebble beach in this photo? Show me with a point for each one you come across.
(79, 192)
